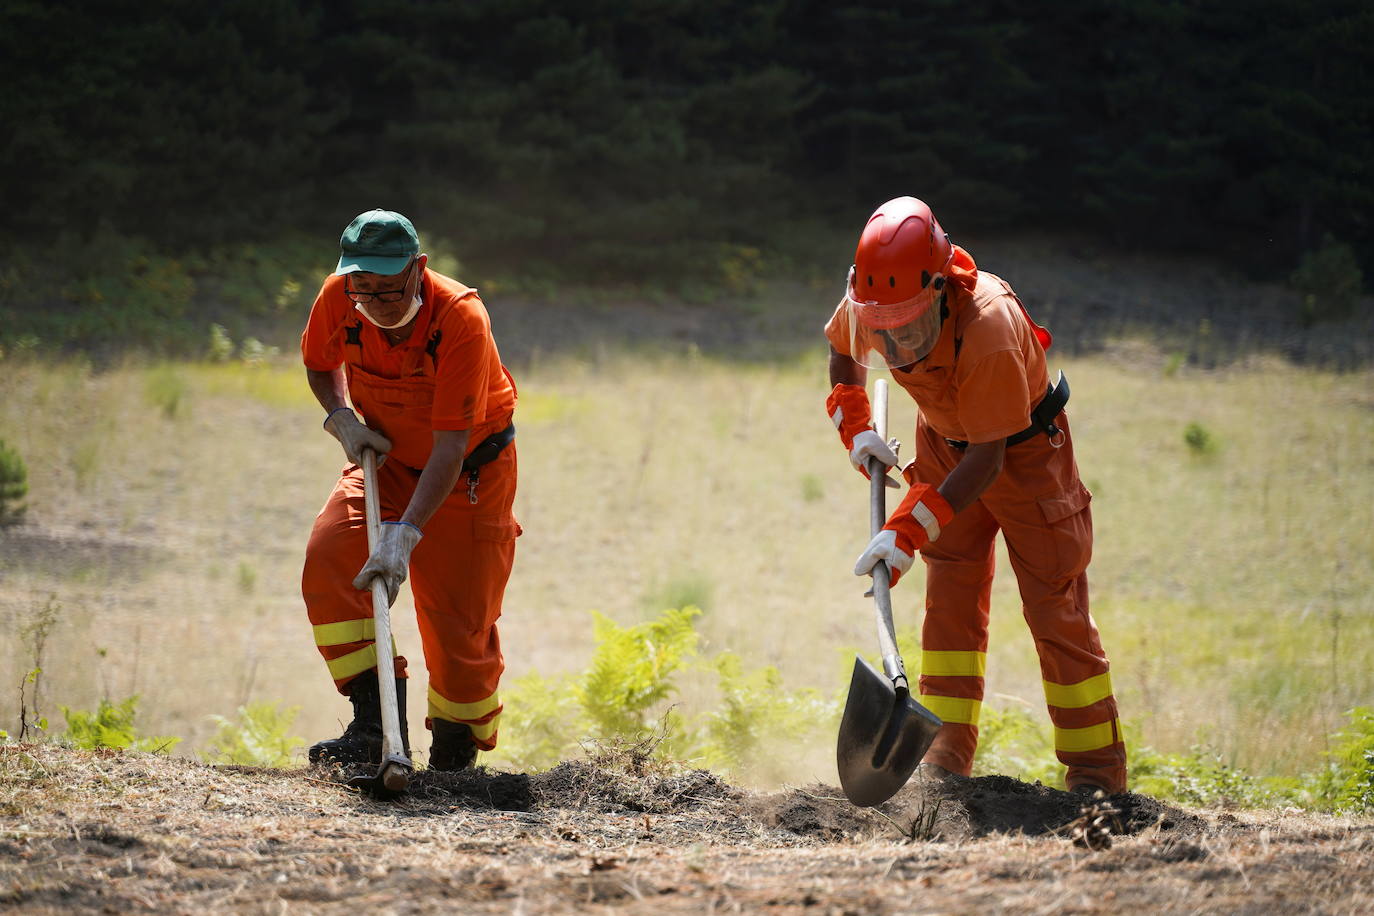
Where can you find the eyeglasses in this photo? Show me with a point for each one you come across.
(381, 295)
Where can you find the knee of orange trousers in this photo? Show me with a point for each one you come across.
(958, 602)
(953, 748)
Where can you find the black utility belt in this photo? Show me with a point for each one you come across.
(489, 448)
(487, 451)
(1042, 416)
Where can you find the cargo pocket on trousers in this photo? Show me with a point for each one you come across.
(495, 528)
(1071, 528)
(493, 542)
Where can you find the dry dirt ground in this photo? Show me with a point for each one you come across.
(125, 833)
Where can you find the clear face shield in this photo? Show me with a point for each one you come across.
(893, 335)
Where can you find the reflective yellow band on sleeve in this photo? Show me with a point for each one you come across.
(461, 712)
(344, 632)
(1084, 693)
(953, 709)
(1092, 738)
(346, 666)
(953, 664)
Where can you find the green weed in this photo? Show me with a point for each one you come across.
(221, 347)
(812, 490)
(112, 725)
(259, 736)
(1346, 782)
(1199, 439)
(14, 486)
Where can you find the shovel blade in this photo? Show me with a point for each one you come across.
(391, 779)
(883, 736)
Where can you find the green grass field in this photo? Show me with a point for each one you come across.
(169, 507)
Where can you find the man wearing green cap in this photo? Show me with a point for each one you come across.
(412, 350)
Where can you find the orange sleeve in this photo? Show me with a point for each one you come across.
(466, 359)
(837, 330)
(322, 339)
(991, 401)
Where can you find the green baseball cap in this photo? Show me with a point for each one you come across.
(377, 242)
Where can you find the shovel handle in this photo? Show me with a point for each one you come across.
(381, 613)
(877, 517)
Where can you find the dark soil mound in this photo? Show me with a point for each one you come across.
(963, 808)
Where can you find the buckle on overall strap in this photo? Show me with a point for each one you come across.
(1042, 418)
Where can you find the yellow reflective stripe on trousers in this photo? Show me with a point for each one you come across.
(953, 664)
(345, 631)
(460, 712)
(485, 730)
(953, 709)
(353, 663)
(1084, 693)
(1092, 738)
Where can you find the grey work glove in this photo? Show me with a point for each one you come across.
(343, 424)
(390, 559)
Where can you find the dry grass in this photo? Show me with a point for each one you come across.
(135, 833)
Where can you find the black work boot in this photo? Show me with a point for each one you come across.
(452, 749)
(361, 741)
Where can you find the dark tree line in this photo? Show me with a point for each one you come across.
(616, 139)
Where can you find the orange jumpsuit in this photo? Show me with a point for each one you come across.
(446, 376)
(979, 384)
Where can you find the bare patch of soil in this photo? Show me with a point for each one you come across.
(113, 832)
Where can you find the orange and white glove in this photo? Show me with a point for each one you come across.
(916, 522)
(853, 418)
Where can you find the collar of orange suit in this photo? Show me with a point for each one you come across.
(962, 272)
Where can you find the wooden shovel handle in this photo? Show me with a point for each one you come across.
(877, 517)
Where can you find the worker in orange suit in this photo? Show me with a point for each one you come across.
(412, 350)
(994, 452)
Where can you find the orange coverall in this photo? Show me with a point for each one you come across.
(978, 384)
(446, 376)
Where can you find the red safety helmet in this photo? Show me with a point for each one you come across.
(897, 284)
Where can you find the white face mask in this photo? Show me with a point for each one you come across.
(405, 319)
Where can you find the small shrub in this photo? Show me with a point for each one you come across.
(221, 348)
(1329, 281)
(14, 486)
(112, 726)
(811, 488)
(632, 670)
(259, 736)
(755, 713)
(1199, 440)
(254, 352)
(1346, 783)
(1198, 777)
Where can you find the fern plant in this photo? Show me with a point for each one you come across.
(259, 736)
(632, 670)
(112, 726)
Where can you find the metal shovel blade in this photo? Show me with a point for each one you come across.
(391, 779)
(883, 736)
